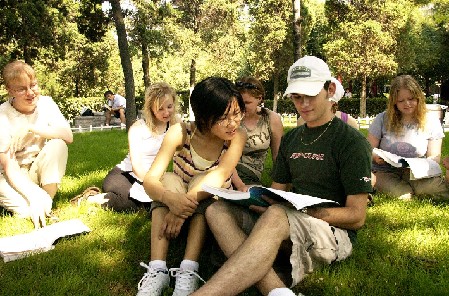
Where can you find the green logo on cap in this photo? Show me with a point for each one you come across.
(300, 72)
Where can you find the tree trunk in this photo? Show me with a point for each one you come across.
(275, 89)
(125, 59)
(296, 29)
(192, 73)
(363, 98)
(145, 66)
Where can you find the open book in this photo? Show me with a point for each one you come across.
(419, 167)
(40, 240)
(254, 196)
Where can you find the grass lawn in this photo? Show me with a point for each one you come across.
(402, 250)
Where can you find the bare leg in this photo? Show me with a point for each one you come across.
(195, 237)
(122, 116)
(159, 247)
(108, 117)
(252, 262)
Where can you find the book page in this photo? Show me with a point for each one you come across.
(226, 193)
(389, 157)
(41, 239)
(300, 201)
(423, 168)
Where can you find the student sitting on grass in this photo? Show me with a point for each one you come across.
(144, 139)
(33, 146)
(405, 130)
(264, 131)
(324, 158)
(205, 151)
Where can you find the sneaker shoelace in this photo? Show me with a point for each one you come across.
(148, 278)
(183, 277)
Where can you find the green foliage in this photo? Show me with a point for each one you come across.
(29, 26)
(91, 20)
(350, 106)
(71, 107)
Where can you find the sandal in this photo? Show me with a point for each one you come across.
(89, 191)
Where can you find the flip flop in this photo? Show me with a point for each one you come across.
(89, 191)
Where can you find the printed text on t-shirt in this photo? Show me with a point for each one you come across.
(307, 155)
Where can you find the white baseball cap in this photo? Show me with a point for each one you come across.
(307, 76)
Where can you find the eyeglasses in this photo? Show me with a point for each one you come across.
(246, 85)
(225, 122)
(23, 90)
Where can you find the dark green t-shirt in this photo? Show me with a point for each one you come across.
(331, 166)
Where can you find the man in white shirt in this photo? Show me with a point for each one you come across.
(117, 106)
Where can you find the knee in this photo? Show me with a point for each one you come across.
(215, 210)
(57, 148)
(276, 218)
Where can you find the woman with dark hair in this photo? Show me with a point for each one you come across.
(264, 131)
(203, 152)
(405, 129)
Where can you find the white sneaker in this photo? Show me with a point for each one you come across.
(186, 281)
(153, 282)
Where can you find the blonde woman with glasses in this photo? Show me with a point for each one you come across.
(33, 146)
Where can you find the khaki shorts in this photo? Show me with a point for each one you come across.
(314, 243)
(399, 184)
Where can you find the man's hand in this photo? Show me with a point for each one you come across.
(377, 159)
(40, 208)
(171, 227)
(261, 210)
(180, 204)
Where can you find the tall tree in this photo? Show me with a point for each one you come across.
(296, 29)
(125, 59)
(148, 32)
(207, 23)
(363, 50)
(363, 39)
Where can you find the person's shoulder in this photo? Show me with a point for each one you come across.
(45, 99)
(293, 133)
(5, 106)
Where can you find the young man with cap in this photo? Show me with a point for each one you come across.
(116, 105)
(278, 246)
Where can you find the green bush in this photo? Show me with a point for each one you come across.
(71, 107)
(374, 106)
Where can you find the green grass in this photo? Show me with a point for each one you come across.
(402, 250)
